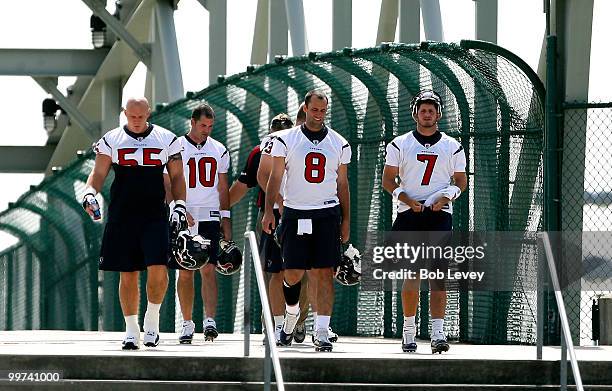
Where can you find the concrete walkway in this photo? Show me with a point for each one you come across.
(92, 343)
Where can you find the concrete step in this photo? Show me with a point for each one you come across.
(319, 367)
(145, 385)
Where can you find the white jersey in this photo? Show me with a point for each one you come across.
(311, 167)
(426, 164)
(202, 164)
(138, 160)
(266, 148)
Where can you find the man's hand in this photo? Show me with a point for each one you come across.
(190, 220)
(178, 219)
(415, 206)
(345, 231)
(439, 204)
(91, 206)
(267, 222)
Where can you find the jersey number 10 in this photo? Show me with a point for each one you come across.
(205, 169)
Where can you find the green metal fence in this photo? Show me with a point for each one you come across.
(494, 105)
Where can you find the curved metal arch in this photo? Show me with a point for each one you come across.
(259, 92)
(337, 88)
(64, 234)
(286, 80)
(235, 110)
(87, 222)
(23, 236)
(371, 85)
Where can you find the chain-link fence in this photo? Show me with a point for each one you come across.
(586, 200)
(493, 104)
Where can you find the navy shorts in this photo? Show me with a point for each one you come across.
(133, 246)
(427, 220)
(269, 251)
(208, 230)
(321, 249)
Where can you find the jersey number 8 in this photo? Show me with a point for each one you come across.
(206, 170)
(315, 167)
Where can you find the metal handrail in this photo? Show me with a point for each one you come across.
(251, 252)
(565, 328)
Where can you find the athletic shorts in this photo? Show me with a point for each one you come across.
(427, 220)
(321, 249)
(133, 246)
(425, 223)
(269, 251)
(208, 230)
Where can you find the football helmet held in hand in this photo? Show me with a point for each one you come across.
(348, 271)
(230, 258)
(190, 252)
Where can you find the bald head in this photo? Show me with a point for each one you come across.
(137, 111)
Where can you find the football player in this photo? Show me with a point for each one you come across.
(206, 163)
(136, 232)
(315, 216)
(431, 169)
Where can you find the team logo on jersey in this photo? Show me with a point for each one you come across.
(427, 146)
(140, 138)
(315, 142)
(199, 146)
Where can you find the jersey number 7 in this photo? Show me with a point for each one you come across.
(431, 162)
(205, 170)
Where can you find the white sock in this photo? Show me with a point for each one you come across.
(209, 320)
(278, 321)
(409, 325)
(314, 321)
(323, 322)
(131, 325)
(437, 327)
(292, 309)
(151, 318)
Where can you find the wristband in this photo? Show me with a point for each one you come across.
(180, 203)
(225, 214)
(397, 192)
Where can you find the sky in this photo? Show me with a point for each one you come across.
(65, 24)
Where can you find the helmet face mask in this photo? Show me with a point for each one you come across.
(230, 258)
(348, 271)
(191, 252)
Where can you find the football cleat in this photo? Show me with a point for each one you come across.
(408, 343)
(348, 271)
(322, 342)
(187, 332)
(331, 335)
(130, 343)
(286, 334)
(284, 339)
(191, 252)
(299, 334)
(439, 346)
(230, 258)
(277, 332)
(210, 330)
(151, 339)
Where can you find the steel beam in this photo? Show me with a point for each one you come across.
(278, 42)
(409, 21)
(486, 20)
(432, 20)
(259, 50)
(25, 159)
(217, 38)
(50, 86)
(387, 21)
(297, 27)
(110, 105)
(166, 64)
(99, 8)
(342, 24)
(51, 62)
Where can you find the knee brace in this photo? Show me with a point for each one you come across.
(292, 292)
